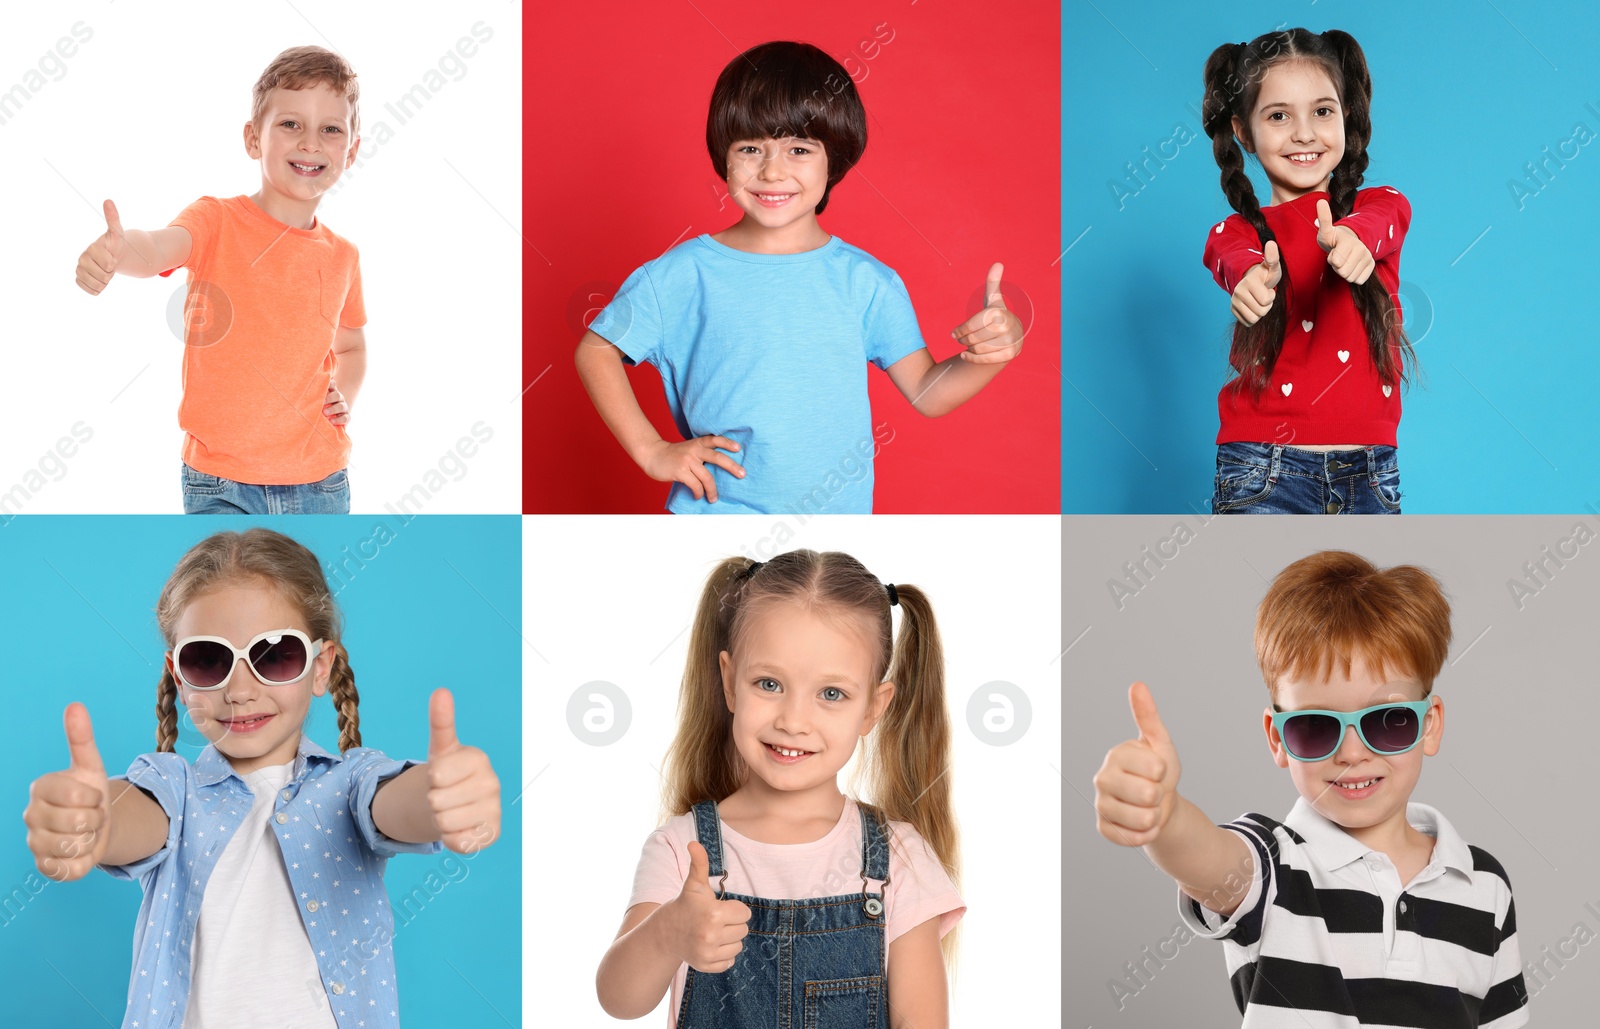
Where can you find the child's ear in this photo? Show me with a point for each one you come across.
(252, 141)
(322, 669)
(1433, 728)
(1239, 136)
(350, 158)
(725, 663)
(880, 704)
(1280, 756)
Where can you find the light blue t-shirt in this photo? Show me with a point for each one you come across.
(770, 350)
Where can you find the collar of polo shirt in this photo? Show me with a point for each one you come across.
(1336, 848)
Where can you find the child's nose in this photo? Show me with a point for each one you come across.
(1351, 749)
(243, 681)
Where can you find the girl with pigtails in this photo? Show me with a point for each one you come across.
(262, 861)
(1309, 420)
(770, 897)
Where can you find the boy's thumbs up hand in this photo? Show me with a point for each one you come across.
(1347, 255)
(708, 933)
(99, 262)
(69, 813)
(1258, 287)
(463, 791)
(1137, 786)
(994, 334)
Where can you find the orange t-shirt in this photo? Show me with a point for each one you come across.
(264, 303)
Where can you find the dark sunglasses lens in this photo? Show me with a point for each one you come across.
(1311, 736)
(278, 659)
(204, 663)
(1390, 730)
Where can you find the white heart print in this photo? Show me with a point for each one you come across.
(1387, 389)
(1286, 387)
(1306, 326)
(1344, 355)
(1218, 229)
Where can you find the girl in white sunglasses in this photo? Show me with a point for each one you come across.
(262, 862)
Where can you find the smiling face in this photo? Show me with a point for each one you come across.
(304, 143)
(1296, 129)
(778, 184)
(1363, 791)
(253, 724)
(801, 686)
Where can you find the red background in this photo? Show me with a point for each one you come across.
(961, 169)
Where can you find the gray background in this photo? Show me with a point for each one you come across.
(1515, 774)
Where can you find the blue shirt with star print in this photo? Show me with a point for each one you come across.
(334, 856)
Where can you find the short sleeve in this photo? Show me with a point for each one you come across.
(1506, 1003)
(891, 323)
(202, 220)
(660, 875)
(354, 314)
(919, 888)
(1232, 248)
(1244, 925)
(166, 778)
(368, 769)
(632, 321)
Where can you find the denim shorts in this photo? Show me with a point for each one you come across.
(212, 494)
(1268, 478)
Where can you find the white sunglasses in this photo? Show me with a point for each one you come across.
(278, 657)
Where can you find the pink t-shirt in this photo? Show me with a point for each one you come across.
(918, 887)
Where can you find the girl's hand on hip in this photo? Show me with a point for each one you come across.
(1137, 786)
(1253, 296)
(708, 933)
(686, 463)
(463, 791)
(69, 813)
(994, 334)
(1347, 255)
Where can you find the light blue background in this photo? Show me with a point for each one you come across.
(438, 605)
(1464, 95)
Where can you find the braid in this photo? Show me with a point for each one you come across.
(1255, 347)
(166, 714)
(342, 687)
(1386, 335)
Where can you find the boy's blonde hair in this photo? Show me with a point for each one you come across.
(302, 66)
(276, 562)
(1334, 604)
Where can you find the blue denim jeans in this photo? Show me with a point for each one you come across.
(806, 964)
(1268, 478)
(212, 494)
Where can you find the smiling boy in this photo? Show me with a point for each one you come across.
(274, 308)
(1360, 907)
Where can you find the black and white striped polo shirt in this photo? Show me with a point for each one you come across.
(1329, 938)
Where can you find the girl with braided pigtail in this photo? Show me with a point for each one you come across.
(1308, 424)
(769, 897)
(262, 861)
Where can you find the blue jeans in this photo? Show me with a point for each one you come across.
(806, 964)
(1268, 478)
(212, 494)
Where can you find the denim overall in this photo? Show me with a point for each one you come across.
(806, 964)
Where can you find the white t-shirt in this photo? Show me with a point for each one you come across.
(918, 887)
(253, 966)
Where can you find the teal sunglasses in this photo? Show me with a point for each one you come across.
(1387, 729)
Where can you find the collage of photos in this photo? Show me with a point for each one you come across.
(974, 712)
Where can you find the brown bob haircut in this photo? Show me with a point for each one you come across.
(303, 66)
(1330, 606)
(781, 90)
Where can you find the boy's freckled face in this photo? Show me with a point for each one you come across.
(1338, 786)
(303, 142)
(777, 182)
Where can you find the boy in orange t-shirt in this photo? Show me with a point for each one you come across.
(274, 305)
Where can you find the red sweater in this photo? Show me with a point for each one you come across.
(1324, 388)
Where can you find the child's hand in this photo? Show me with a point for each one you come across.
(334, 407)
(69, 813)
(994, 334)
(99, 262)
(709, 933)
(1137, 786)
(1347, 255)
(463, 791)
(686, 463)
(1253, 296)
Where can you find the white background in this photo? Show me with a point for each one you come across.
(610, 599)
(149, 113)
